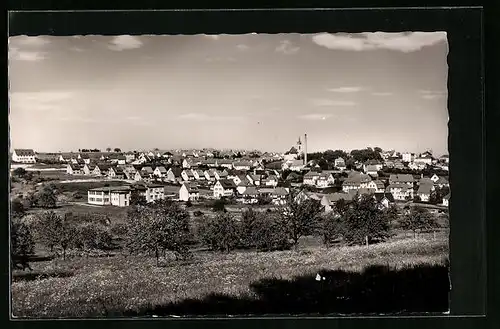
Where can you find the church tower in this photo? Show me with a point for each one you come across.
(299, 146)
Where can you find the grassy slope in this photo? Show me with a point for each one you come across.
(132, 284)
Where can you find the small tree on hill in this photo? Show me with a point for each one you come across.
(161, 226)
(418, 219)
(46, 198)
(54, 230)
(22, 244)
(364, 221)
(117, 149)
(220, 232)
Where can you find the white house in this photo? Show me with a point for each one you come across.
(355, 181)
(434, 178)
(242, 165)
(114, 196)
(24, 156)
(187, 175)
(189, 192)
(402, 179)
(250, 195)
(271, 180)
(424, 192)
(293, 165)
(198, 174)
(376, 185)
(74, 169)
(384, 200)
(224, 188)
(221, 174)
(446, 200)
(400, 191)
(325, 180)
(254, 179)
(210, 175)
(340, 163)
(88, 168)
(116, 173)
(151, 192)
(310, 178)
(160, 172)
(101, 169)
(408, 157)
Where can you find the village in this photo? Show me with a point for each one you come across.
(254, 178)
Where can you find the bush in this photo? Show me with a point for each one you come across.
(22, 244)
(189, 203)
(219, 205)
(220, 233)
(46, 198)
(198, 213)
(17, 208)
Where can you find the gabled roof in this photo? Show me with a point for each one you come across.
(334, 197)
(242, 164)
(380, 196)
(425, 181)
(293, 150)
(24, 152)
(176, 171)
(191, 188)
(103, 166)
(147, 169)
(189, 173)
(280, 191)
(251, 190)
(424, 189)
(311, 174)
(161, 169)
(371, 168)
(442, 180)
(401, 178)
(117, 170)
(74, 166)
(227, 183)
(447, 197)
(401, 186)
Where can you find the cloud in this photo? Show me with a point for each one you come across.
(206, 117)
(242, 47)
(382, 93)
(315, 116)
(125, 42)
(212, 36)
(38, 101)
(286, 48)
(28, 56)
(432, 94)
(330, 102)
(345, 89)
(405, 42)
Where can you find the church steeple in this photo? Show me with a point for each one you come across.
(299, 146)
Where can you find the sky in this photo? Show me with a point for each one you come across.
(252, 91)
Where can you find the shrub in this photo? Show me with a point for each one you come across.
(22, 244)
(197, 213)
(46, 198)
(19, 172)
(189, 204)
(219, 205)
(220, 233)
(17, 208)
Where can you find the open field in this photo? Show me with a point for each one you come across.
(403, 274)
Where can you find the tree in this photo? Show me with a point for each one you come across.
(137, 199)
(92, 235)
(46, 198)
(22, 244)
(363, 221)
(268, 233)
(117, 149)
(54, 230)
(264, 200)
(108, 149)
(248, 226)
(219, 205)
(160, 226)
(331, 227)
(300, 218)
(17, 208)
(19, 172)
(418, 219)
(220, 232)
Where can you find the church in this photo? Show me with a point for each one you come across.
(296, 152)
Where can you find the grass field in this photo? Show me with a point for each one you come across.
(402, 275)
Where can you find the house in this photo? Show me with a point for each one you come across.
(446, 200)
(117, 158)
(372, 170)
(398, 165)
(372, 165)
(402, 179)
(129, 157)
(189, 192)
(271, 180)
(384, 200)
(425, 157)
(139, 176)
(424, 192)
(198, 174)
(24, 156)
(242, 165)
(101, 169)
(305, 195)
(237, 179)
(425, 181)
(174, 174)
(434, 178)
(444, 159)
(166, 155)
(210, 163)
(242, 186)
(329, 200)
(85, 157)
(160, 172)
(310, 178)
(187, 175)
(224, 188)
(293, 165)
(340, 163)
(221, 174)
(115, 196)
(150, 192)
(210, 175)
(147, 172)
(116, 173)
(88, 168)
(376, 185)
(279, 195)
(254, 179)
(408, 157)
(74, 169)
(250, 195)
(355, 181)
(226, 163)
(325, 180)
(187, 163)
(400, 191)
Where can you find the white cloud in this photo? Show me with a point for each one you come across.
(242, 47)
(78, 119)
(206, 117)
(38, 101)
(315, 116)
(212, 36)
(22, 55)
(382, 94)
(404, 42)
(345, 89)
(432, 94)
(330, 102)
(125, 42)
(286, 48)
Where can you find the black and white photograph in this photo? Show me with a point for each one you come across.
(229, 175)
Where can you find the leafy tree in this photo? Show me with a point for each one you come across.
(93, 236)
(54, 230)
(137, 199)
(189, 203)
(264, 200)
(418, 219)
(117, 149)
(46, 198)
(330, 155)
(364, 221)
(269, 234)
(248, 227)
(108, 149)
(22, 244)
(331, 227)
(19, 172)
(219, 205)
(220, 232)
(160, 226)
(17, 208)
(377, 149)
(392, 214)
(300, 218)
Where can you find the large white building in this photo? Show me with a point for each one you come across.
(110, 196)
(24, 156)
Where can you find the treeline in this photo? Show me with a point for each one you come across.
(326, 159)
(166, 227)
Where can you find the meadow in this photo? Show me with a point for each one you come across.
(403, 274)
